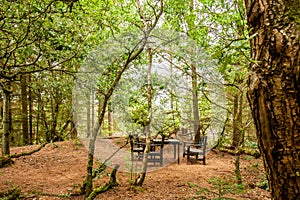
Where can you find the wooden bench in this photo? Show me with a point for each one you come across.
(195, 151)
(136, 146)
(155, 154)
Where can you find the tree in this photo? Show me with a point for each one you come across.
(37, 36)
(209, 23)
(24, 100)
(274, 90)
(188, 19)
(106, 86)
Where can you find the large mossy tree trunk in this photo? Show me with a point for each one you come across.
(274, 91)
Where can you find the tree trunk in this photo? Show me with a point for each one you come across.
(237, 132)
(24, 100)
(274, 91)
(110, 119)
(93, 116)
(54, 136)
(141, 177)
(6, 123)
(191, 28)
(38, 117)
(73, 130)
(195, 104)
(88, 183)
(30, 100)
(88, 114)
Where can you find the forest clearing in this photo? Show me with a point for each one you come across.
(87, 87)
(58, 170)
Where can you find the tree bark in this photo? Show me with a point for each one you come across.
(112, 183)
(195, 104)
(237, 132)
(190, 33)
(31, 108)
(24, 100)
(6, 123)
(88, 114)
(88, 183)
(110, 116)
(141, 177)
(274, 91)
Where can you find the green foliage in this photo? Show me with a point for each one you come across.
(255, 165)
(293, 11)
(100, 171)
(77, 143)
(251, 144)
(12, 194)
(44, 39)
(138, 106)
(220, 188)
(53, 92)
(188, 17)
(248, 158)
(264, 183)
(44, 35)
(192, 185)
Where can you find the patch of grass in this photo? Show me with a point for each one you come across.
(192, 185)
(248, 158)
(263, 184)
(11, 194)
(251, 144)
(76, 185)
(220, 188)
(136, 189)
(255, 165)
(197, 198)
(77, 143)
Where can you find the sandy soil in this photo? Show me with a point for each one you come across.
(59, 169)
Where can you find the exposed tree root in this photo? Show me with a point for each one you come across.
(7, 160)
(254, 153)
(28, 153)
(67, 195)
(112, 183)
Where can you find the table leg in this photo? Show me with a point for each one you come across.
(178, 153)
(174, 145)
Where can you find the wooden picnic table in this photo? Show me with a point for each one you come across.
(174, 142)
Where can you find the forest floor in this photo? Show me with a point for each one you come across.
(59, 169)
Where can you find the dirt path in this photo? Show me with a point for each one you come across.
(60, 168)
(108, 150)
